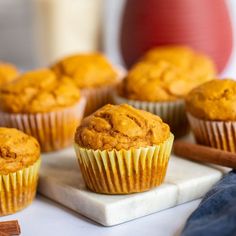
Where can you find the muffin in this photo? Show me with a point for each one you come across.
(44, 106)
(160, 81)
(93, 74)
(8, 73)
(199, 67)
(211, 111)
(19, 167)
(123, 150)
(158, 88)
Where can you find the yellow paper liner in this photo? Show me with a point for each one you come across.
(53, 130)
(217, 134)
(124, 171)
(17, 190)
(173, 112)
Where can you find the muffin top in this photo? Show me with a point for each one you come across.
(121, 127)
(87, 70)
(17, 150)
(37, 92)
(160, 81)
(213, 100)
(8, 73)
(199, 66)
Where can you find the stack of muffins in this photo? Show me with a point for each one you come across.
(122, 148)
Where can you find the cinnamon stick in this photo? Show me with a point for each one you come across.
(205, 154)
(10, 227)
(4, 234)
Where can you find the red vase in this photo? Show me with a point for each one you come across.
(203, 25)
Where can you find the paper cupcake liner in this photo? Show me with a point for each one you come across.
(217, 134)
(53, 130)
(98, 97)
(17, 190)
(124, 171)
(173, 112)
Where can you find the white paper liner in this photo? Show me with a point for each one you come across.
(97, 97)
(17, 190)
(217, 134)
(100, 96)
(53, 130)
(173, 112)
(124, 171)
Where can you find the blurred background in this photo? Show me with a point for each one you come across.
(34, 33)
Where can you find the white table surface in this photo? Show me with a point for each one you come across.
(45, 217)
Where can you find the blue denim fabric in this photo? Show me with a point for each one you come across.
(216, 214)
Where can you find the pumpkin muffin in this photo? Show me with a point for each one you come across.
(160, 81)
(159, 88)
(93, 74)
(44, 106)
(215, 100)
(211, 111)
(8, 73)
(123, 150)
(156, 82)
(19, 167)
(198, 66)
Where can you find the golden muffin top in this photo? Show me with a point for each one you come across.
(198, 66)
(17, 150)
(87, 70)
(8, 73)
(160, 81)
(121, 127)
(37, 92)
(213, 100)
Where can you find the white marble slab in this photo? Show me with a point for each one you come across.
(61, 180)
(192, 179)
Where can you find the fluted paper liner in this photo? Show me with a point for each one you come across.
(172, 112)
(124, 171)
(53, 130)
(97, 97)
(100, 96)
(17, 190)
(217, 134)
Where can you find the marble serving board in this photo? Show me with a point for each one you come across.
(61, 181)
